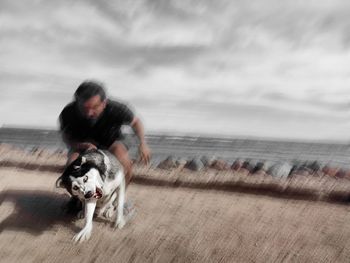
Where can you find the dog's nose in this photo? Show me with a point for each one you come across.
(88, 194)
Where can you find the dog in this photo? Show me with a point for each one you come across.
(97, 178)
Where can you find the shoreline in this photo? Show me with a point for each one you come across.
(312, 187)
(228, 149)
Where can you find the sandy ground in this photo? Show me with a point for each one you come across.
(174, 223)
(182, 216)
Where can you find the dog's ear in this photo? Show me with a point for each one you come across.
(59, 183)
(80, 161)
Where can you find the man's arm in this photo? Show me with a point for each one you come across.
(144, 150)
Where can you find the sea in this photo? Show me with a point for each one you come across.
(190, 146)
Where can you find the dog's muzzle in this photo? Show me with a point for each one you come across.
(98, 194)
(88, 195)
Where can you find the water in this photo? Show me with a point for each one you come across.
(189, 146)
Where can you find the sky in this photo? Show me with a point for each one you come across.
(258, 68)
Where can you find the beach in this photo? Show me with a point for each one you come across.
(183, 215)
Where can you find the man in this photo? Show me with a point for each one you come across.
(93, 121)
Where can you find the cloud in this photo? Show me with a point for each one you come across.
(266, 58)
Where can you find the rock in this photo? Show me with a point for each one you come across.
(280, 170)
(246, 168)
(347, 174)
(314, 166)
(260, 173)
(195, 164)
(237, 164)
(307, 168)
(340, 173)
(301, 169)
(244, 171)
(181, 162)
(260, 168)
(330, 171)
(220, 165)
(336, 172)
(207, 161)
(168, 163)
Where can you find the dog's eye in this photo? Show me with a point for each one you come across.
(75, 187)
(85, 179)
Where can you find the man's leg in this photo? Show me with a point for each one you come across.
(119, 150)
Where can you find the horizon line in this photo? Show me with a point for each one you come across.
(195, 135)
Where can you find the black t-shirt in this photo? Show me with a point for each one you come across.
(104, 131)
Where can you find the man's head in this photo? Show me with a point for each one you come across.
(91, 99)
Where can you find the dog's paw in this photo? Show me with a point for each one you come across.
(109, 212)
(83, 235)
(120, 223)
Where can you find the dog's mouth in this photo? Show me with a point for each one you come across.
(98, 193)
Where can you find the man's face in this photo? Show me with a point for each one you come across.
(93, 107)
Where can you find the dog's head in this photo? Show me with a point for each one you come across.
(80, 178)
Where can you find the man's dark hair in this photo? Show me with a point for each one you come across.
(88, 89)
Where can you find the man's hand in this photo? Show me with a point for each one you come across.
(86, 146)
(145, 153)
(144, 150)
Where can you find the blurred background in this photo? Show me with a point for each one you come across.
(260, 68)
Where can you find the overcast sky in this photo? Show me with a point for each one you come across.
(266, 68)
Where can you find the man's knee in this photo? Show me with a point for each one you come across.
(121, 153)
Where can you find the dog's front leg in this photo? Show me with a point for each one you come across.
(121, 199)
(81, 213)
(85, 233)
